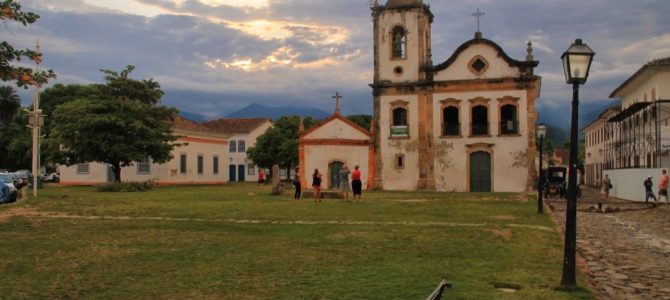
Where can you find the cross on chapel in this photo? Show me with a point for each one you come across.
(478, 15)
(337, 101)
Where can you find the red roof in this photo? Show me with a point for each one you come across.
(245, 125)
(182, 123)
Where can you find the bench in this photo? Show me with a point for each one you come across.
(437, 293)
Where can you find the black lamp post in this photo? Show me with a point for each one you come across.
(576, 64)
(541, 131)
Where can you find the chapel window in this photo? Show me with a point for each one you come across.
(452, 126)
(509, 123)
(241, 146)
(399, 42)
(399, 127)
(232, 147)
(400, 161)
(182, 163)
(480, 120)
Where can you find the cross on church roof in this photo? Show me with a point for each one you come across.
(337, 101)
(478, 15)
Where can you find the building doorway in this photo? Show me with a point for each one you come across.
(231, 173)
(334, 172)
(480, 172)
(240, 173)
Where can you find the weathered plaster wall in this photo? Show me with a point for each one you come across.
(399, 178)
(658, 82)
(509, 160)
(336, 129)
(458, 70)
(388, 20)
(320, 156)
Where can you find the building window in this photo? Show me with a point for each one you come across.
(452, 126)
(182, 163)
(232, 147)
(509, 123)
(399, 43)
(399, 127)
(478, 65)
(400, 161)
(241, 147)
(251, 169)
(480, 120)
(215, 165)
(201, 164)
(144, 166)
(83, 169)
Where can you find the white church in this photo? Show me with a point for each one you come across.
(466, 124)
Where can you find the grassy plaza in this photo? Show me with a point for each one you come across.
(239, 242)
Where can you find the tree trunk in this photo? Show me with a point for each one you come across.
(117, 172)
(276, 187)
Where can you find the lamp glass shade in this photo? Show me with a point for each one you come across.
(577, 62)
(541, 131)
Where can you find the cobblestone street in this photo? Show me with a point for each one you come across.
(627, 251)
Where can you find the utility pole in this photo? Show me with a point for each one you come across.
(36, 120)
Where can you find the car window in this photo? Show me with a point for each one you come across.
(6, 178)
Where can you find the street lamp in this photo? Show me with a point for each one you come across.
(576, 64)
(541, 131)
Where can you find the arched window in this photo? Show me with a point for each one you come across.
(399, 42)
(452, 125)
(399, 126)
(480, 120)
(509, 123)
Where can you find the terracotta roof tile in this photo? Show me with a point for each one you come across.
(182, 123)
(245, 125)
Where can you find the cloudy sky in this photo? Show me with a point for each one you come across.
(213, 57)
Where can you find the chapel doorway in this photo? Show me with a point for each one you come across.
(480, 172)
(240, 173)
(231, 173)
(334, 172)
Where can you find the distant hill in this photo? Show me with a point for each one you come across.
(193, 116)
(259, 111)
(558, 119)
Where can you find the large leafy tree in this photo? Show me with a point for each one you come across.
(361, 120)
(116, 127)
(21, 75)
(15, 143)
(279, 144)
(10, 103)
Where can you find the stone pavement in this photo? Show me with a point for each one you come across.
(627, 251)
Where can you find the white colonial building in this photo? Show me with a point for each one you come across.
(466, 124)
(200, 160)
(594, 140)
(243, 134)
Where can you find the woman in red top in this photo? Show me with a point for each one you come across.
(356, 183)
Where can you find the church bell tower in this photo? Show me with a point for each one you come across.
(401, 40)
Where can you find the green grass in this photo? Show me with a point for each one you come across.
(212, 256)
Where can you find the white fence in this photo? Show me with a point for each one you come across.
(628, 183)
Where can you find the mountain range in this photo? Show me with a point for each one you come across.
(260, 111)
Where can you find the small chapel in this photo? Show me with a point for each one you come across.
(466, 124)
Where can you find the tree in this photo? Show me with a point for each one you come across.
(16, 143)
(21, 75)
(279, 144)
(10, 103)
(361, 120)
(113, 128)
(121, 87)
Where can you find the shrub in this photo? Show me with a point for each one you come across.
(128, 186)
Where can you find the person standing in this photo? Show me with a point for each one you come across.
(261, 178)
(297, 184)
(356, 183)
(316, 185)
(663, 187)
(344, 182)
(606, 186)
(649, 192)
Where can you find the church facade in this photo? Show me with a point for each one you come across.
(466, 124)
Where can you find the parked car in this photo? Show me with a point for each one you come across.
(9, 181)
(51, 177)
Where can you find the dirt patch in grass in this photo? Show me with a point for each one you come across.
(501, 233)
(503, 218)
(25, 212)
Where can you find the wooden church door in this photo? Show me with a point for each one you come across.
(480, 172)
(334, 172)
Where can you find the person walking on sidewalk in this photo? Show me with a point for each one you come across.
(649, 191)
(605, 191)
(663, 187)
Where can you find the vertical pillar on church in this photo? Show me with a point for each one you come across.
(532, 149)
(426, 161)
(377, 184)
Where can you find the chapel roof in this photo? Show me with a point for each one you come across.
(402, 3)
(654, 64)
(243, 125)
